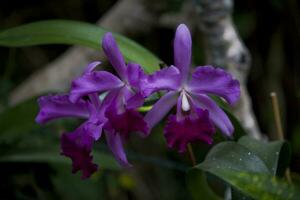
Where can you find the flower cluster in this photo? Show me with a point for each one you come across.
(116, 115)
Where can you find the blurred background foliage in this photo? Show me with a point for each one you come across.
(30, 164)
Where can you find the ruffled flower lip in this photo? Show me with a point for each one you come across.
(179, 133)
(78, 146)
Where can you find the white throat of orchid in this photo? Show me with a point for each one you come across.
(185, 105)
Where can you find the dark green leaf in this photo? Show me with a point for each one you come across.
(43, 153)
(245, 171)
(226, 155)
(52, 155)
(198, 187)
(75, 33)
(276, 155)
(260, 186)
(65, 184)
(18, 120)
(234, 157)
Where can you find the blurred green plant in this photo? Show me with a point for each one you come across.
(75, 33)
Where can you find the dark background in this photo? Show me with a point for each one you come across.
(271, 31)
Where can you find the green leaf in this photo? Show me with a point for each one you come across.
(52, 155)
(226, 155)
(232, 156)
(71, 187)
(75, 33)
(276, 154)
(65, 183)
(18, 120)
(260, 186)
(245, 171)
(198, 187)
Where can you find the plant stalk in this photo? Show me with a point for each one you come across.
(191, 154)
(280, 134)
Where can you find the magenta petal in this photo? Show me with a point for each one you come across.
(110, 99)
(164, 79)
(216, 114)
(135, 101)
(95, 101)
(161, 109)
(94, 128)
(216, 81)
(126, 122)
(114, 55)
(58, 106)
(122, 115)
(179, 133)
(97, 81)
(135, 75)
(182, 49)
(78, 146)
(131, 99)
(114, 142)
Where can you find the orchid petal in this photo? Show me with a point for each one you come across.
(59, 106)
(164, 79)
(107, 102)
(182, 50)
(135, 101)
(97, 81)
(114, 55)
(212, 80)
(135, 74)
(179, 133)
(90, 67)
(131, 99)
(114, 142)
(94, 129)
(95, 101)
(161, 108)
(216, 114)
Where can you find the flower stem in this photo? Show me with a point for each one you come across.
(280, 134)
(276, 111)
(191, 154)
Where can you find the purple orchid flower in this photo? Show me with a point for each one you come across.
(195, 109)
(78, 144)
(123, 97)
(108, 115)
(117, 114)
